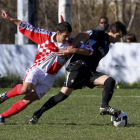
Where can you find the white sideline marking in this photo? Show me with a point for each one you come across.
(95, 96)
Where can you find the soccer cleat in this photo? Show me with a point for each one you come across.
(2, 120)
(3, 97)
(110, 111)
(33, 120)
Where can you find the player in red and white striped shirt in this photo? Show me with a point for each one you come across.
(40, 76)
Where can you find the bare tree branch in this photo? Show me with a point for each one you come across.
(79, 17)
(132, 17)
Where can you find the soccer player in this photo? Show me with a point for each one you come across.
(131, 38)
(40, 76)
(82, 70)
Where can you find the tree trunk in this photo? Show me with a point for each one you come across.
(132, 17)
(79, 16)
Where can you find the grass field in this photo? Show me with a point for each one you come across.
(77, 118)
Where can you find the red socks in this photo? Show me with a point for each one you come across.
(16, 91)
(18, 106)
(14, 109)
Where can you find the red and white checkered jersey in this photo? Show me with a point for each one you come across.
(46, 58)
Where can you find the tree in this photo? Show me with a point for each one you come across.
(83, 18)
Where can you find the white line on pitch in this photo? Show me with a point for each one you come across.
(96, 96)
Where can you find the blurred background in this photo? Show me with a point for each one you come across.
(85, 15)
(17, 52)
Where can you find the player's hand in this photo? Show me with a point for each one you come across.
(6, 15)
(68, 51)
(62, 53)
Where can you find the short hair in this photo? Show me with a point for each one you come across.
(64, 27)
(103, 17)
(116, 27)
(131, 37)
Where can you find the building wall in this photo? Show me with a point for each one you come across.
(122, 62)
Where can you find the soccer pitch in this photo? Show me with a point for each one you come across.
(77, 118)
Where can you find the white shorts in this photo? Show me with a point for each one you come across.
(42, 81)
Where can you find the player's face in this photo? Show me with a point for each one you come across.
(115, 37)
(103, 23)
(63, 37)
(128, 41)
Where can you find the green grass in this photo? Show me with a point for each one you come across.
(77, 118)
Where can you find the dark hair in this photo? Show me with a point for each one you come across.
(103, 17)
(116, 27)
(131, 37)
(64, 27)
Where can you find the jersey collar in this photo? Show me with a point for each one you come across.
(53, 34)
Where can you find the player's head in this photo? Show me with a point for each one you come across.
(103, 22)
(64, 30)
(131, 38)
(116, 31)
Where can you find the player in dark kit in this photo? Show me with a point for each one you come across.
(82, 69)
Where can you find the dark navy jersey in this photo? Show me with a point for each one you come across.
(99, 40)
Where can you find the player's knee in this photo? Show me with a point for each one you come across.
(27, 102)
(110, 82)
(29, 98)
(25, 90)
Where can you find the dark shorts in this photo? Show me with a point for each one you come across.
(78, 79)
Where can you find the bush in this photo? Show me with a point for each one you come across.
(10, 81)
(59, 81)
(128, 86)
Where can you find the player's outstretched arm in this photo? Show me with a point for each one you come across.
(7, 16)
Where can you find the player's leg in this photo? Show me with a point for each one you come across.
(16, 91)
(31, 95)
(109, 84)
(73, 81)
(107, 93)
(19, 106)
(53, 101)
(20, 89)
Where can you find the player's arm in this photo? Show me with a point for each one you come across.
(27, 29)
(73, 49)
(7, 16)
(81, 49)
(90, 34)
(84, 50)
(70, 51)
(80, 37)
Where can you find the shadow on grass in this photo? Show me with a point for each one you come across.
(133, 125)
(77, 124)
(72, 124)
(109, 124)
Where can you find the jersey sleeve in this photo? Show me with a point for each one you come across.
(89, 48)
(37, 35)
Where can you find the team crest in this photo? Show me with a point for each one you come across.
(72, 80)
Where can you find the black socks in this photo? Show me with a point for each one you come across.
(108, 91)
(51, 103)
